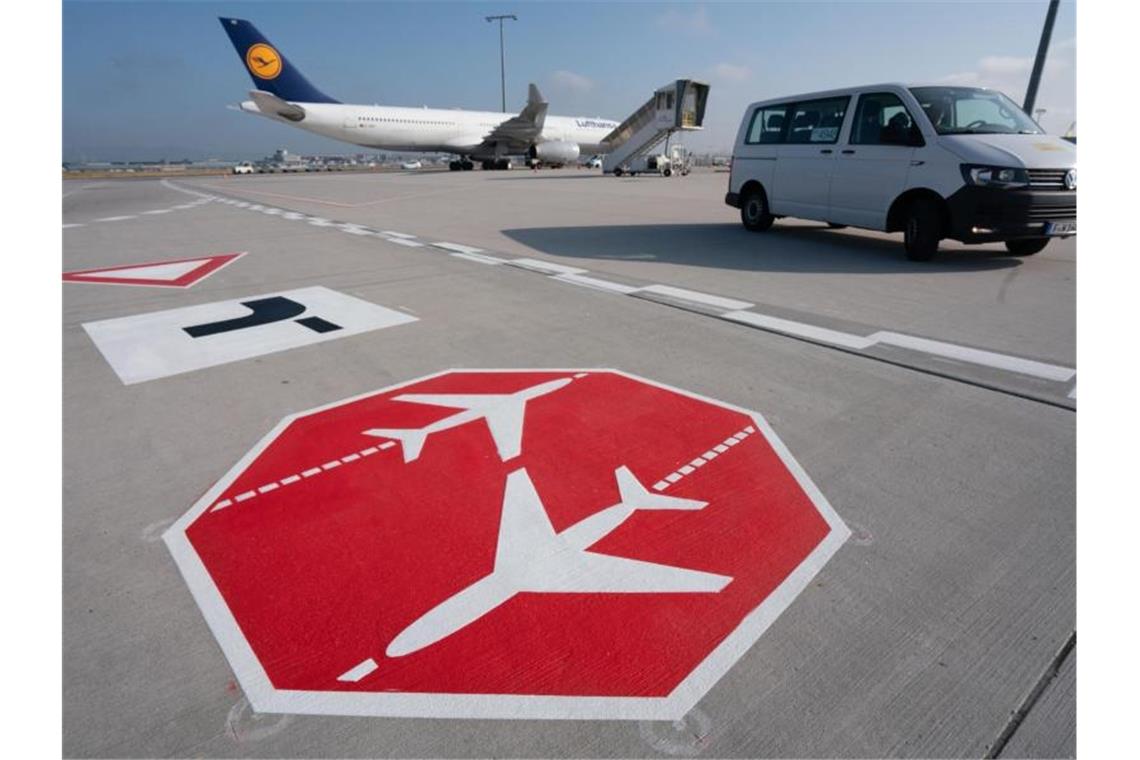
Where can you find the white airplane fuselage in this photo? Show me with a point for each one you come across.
(431, 129)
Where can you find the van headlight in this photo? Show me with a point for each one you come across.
(995, 176)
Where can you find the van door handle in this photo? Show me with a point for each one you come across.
(847, 152)
(826, 150)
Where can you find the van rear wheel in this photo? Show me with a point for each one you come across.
(754, 211)
(923, 230)
(1026, 247)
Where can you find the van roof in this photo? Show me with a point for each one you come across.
(854, 88)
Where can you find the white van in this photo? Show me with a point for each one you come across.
(934, 162)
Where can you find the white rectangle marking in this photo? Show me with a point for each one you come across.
(150, 346)
(596, 284)
(349, 458)
(268, 487)
(660, 485)
(799, 329)
(221, 505)
(457, 248)
(709, 455)
(673, 477)
(407, 243)
(397, 234)
(290, 480)
(387, 444)
(978, 356)
(369, 451)
(694, 296)
(114, 218)
(479, 258)
(686, 469)
(331, 465)
(699, 462)
(546, 267)
(360, 671)
(245, 496)
(158, 211)
(720, 448)
(311, 472)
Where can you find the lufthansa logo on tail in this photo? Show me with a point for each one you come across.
(263, 61)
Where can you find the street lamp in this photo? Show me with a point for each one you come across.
(502, 58)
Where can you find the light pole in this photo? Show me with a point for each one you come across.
(502, 55)
(1039, 62)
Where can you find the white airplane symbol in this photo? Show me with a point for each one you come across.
(531, 557)
(503, 412)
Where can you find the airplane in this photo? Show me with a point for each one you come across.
(531, 557)
(283, 94)
(502, 411)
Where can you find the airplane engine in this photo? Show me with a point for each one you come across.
(555, 152)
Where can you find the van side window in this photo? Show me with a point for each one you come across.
(882, 119)
(767, 125)
(817, 121)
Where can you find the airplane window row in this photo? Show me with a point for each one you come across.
(407, 121)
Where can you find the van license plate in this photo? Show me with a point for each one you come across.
(1060, 228)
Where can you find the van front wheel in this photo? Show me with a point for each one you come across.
(754, 212)
(923, 230)
(1026, 247)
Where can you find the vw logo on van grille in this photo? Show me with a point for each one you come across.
(1071, 179)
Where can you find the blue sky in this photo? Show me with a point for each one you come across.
(152, 79)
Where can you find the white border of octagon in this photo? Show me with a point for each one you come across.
(265, 698)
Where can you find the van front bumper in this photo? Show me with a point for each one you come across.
(732, 199)
(989, 214)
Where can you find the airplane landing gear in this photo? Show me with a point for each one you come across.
(461, 165)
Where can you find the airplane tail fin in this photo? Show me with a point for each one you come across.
(635, 495)
(270, 70)
(411, 441)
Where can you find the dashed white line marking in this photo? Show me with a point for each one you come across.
(457, 248)
(694, 296)
(702, 460)
(311, 472)
(673, 477)
(358, 672)
(387, 445)
(159, 211)
(408, 243)
(595, 283)
(720, 448)
(331, 465)
(710, 455)
(369, 451)
(317, 221)
(686, 469)
(545, 267)
(478, 258)
(292, 216)
(114, 218)
(244, 496)
(222, 504)
(660, 485)
(268, 487)
(69, 226)
(290, 480)
(391, 233)
(350, 458)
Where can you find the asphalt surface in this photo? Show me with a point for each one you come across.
(942, 627)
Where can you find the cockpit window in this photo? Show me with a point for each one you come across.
(973, 111)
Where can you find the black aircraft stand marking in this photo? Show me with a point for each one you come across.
(264, 311)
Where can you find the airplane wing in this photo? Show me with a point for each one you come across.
(503, 412)
(523, 129)
(270, 104)
(592, 573)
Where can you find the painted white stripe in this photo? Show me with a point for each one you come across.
(660, 485)
(330, 465)
(114, 218)
(311, 472)
(397, 234)
(731, 441)
(221, 505)
(245, 496)
(317, 221)
(360, 671)
(159, 211)
(699, 462)
(686, 469)
(268, 487)
(978, 356)
(673, 477)
(595, 283)
(457, 248)
(290, 480)
(387, 445)
(349, 458)
(408, 243)
(694, 296)
(369, 451)
(799, 329)
(478, 258)
(69, 226)
(720, 448)
(545, 267)
(292, 216)
(184, 206)
(710, 455)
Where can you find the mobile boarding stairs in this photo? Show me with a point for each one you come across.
(678, 106)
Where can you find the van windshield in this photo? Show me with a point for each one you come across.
(973, 111)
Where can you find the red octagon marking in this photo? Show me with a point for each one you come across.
(503, 544)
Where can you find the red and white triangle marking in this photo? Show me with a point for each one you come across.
(174, 273)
